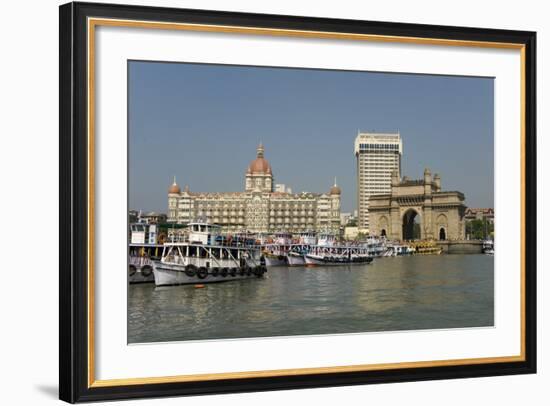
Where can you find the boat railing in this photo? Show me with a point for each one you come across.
(140, 261)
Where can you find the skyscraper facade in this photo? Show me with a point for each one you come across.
(378, 155)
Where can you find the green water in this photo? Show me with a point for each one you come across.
(403, 293)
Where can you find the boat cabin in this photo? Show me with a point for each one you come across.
(204, 233)
(142, 233)
(282, 238)
(307, 238)
(326, 240)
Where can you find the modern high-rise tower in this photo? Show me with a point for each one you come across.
(378, 155)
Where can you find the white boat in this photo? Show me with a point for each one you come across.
(338, 255)
(377, 246)
(396, 250)
(140, 262)
(489, 247)
(143, 249)
(203, 260)
(295, 257)
(275, 253)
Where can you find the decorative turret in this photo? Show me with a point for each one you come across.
(258, 174)
(437, 183)
(427, 182)
(335, 189)
(260, 164)
(174, 189)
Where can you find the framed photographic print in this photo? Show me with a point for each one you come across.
(258, 202)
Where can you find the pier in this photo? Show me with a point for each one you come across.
(461, 246)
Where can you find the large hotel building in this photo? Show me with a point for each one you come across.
(258, 208)
(378, 155)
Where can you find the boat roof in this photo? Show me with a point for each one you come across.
(190, 244)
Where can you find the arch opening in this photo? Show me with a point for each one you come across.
(442, 234)
(383, 232)
(411, 225)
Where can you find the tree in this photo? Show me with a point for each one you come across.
(479, 229)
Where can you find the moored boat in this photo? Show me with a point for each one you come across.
(296, 258)
(338, 255)
(203, 260)
(143, 249)
(275, 253)
(426, 248)
(489, 247)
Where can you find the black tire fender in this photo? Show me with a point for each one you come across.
(146, 270)
(202, 272)
(190, 270)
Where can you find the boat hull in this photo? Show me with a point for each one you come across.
(275, 261)
(166, 274)
(141, 275)
(312, 260)
(295, 260)
(140, 270)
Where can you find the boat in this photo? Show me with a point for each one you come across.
(203, 259)
(376, 246)
(338, 255)
(144, 247)
(275, 253)
(489, 247)
(295, 256)
(397, 250)
(304, 242)
(426, 248)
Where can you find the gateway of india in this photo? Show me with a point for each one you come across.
(259, 209)
(439, 214)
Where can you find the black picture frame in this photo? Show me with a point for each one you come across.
(74, 385)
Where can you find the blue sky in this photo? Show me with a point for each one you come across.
(203, 123)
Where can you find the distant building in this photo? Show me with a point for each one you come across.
(348, 219)
(351, 232)
(487, 214)
(378, 155)
(281, 188)
(344, 218)
(133, 216)
(260, 208)
(153, 218)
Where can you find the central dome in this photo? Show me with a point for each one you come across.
(260, 164)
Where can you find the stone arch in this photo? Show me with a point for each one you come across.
(441, 226)
(411, 229)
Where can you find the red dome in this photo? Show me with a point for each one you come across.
(335, 190)
(260, 164)
(174, 188)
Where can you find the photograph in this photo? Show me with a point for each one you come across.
(274, 202)
(254, 202)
